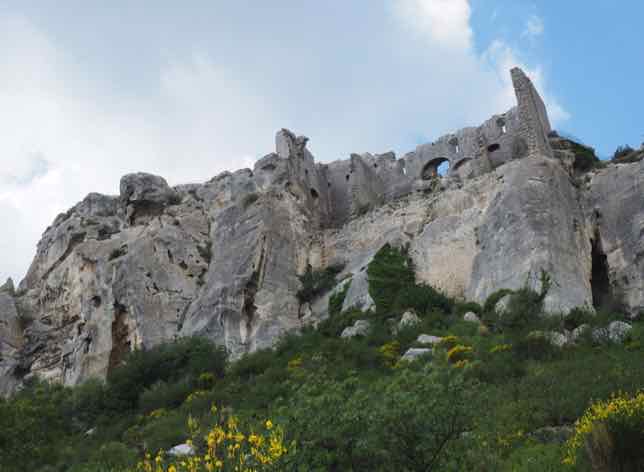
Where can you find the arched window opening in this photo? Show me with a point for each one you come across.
(314, 193)
(501, 124)
(347, 177)
(435, 168)
(493, 147)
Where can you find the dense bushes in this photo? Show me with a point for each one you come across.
(30, 425)
(610, 435)
(186, 358)
(474, 404)
(585, 157)
(422, 299)
(622, 152)
(411, 421)
(315, 283)
(389, 273)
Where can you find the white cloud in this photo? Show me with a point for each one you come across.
(533, 28)
(59, 144)
(67, 133)
(502, 57)
(445, 22)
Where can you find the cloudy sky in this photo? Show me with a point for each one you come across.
(92, 90)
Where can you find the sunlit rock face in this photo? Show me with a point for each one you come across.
(223, 259)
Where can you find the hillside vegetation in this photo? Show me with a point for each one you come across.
(493, 396)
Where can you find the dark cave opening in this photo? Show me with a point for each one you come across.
(120, 337)
(599, 280)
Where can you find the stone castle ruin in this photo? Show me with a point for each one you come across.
(342, 189)
(223, 259)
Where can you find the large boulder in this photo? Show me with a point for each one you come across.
(428, 339)
(409, 318)
(577, 333)
(357, 295)
(502, 305)
(145, 196)
(554, 338)
(415, 353)
(618, 331)
(471, 317)
(359, 328)
(182, 450)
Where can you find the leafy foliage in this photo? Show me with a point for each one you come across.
(344, 404)
(316, 283)
(622, 152)
(409, 422)
(390, 273)
(585, 157)
(184, 358)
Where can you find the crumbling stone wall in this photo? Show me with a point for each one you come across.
(533, 117)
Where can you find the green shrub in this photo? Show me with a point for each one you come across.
(536, 458)
(535, 346)
(184, 358)
(524, 311)
(611, 433)
(389, 273)
(578, 316)
(498, 366)
(585, 157)
(422, 299)
(251, 365)
(86, 402)
(164, 395)
(316, 283)
(337, 300)
(463, 307)
(490, 303)
(163, 432)
(622, 151)
(334, 325)
(409, 422)
(31, 423)
(112, 456)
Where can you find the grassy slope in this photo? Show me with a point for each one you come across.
(343, 401)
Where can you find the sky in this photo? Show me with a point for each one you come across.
(90, 91)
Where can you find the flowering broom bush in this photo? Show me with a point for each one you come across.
(611, 434)
(225, 448)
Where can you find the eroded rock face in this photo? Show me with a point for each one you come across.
(10, 338)
(222, 259)
(614, 206)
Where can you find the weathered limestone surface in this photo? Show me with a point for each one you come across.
(615, 209)
(10, 338)
(222, 259)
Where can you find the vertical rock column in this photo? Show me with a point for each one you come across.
(533, 117)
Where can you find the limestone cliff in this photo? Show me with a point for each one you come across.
(223, 258)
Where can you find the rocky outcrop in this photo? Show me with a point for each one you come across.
(223, 259)
(614, 214)
(10, 339)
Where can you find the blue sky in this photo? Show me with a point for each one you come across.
(593, 55)
(92, 90)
